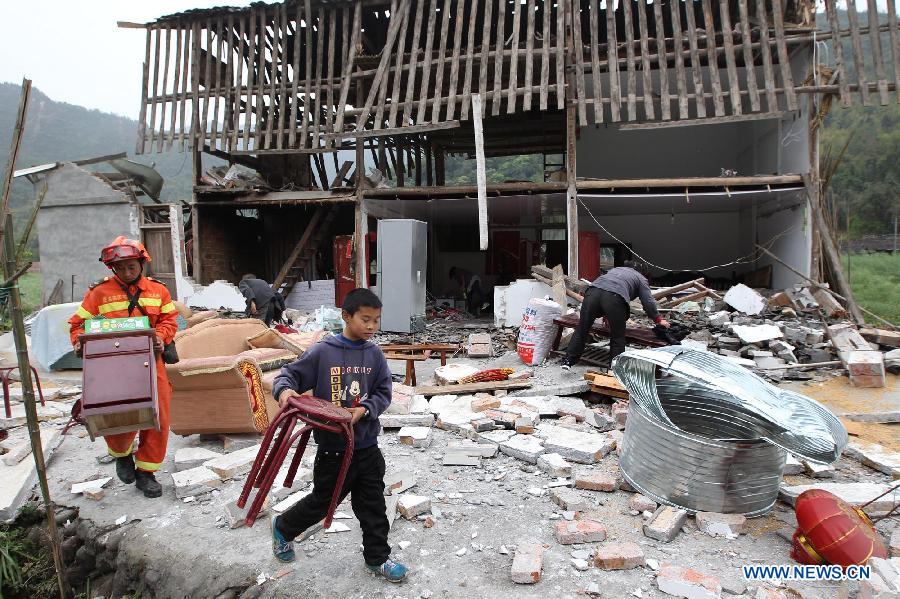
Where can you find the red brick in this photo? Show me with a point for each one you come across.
(579, 531)
(619, 412)
(619, 556)
(524, 425)
(596, 481)
(526, 566)
(483, 424)
(484, 402)
(642, 503)
(684, 582)
(506, 419)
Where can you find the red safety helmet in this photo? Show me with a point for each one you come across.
(123, 248)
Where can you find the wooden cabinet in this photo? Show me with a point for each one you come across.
(119, 382)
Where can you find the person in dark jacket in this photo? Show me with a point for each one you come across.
(263, 302)
(351, 372)
(608, 296)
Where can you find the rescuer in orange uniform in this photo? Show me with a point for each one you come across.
(129, 293)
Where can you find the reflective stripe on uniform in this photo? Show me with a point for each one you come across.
(167, 308)
(117, 454)
(147, 466)
(150, 301)
(83, 313)
(112, 307)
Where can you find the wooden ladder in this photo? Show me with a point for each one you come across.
(306, 248)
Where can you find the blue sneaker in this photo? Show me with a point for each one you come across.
(391, 570)
(282, 548)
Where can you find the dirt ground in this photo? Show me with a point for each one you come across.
(179, 549)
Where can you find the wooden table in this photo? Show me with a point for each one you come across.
(417, 352)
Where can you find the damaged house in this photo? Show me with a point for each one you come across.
(684, 131)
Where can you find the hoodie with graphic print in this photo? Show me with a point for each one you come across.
(348, 374)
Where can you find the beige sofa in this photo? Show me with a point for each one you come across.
(223, 381)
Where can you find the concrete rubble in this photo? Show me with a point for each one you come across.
(517, 488)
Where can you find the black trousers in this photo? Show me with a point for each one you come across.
(364, 483)
(597, 303)
(475, 299)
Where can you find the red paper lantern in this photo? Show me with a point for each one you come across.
(831, 531)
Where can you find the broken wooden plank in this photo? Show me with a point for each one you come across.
(597, 87)
(413, 68)
(442, 58)
(711, 58)
(308, 50)
(895, 44)
(560, 54)
(881, 336)
(350, 56)
(649, 112)
(766, 51)
(498, 59)
(662, 66)
(398, 63)
(784, 61)
(470, 56)
(249, 121)
(575, 22)
(176, 80)
(545, 50)
(730, 64)
(838, 46)
(559, 285)
(329, 104)
(875, 40)
(513, 82)
(696, 69)
(667, 291)
(426, 61)
(606, 385)
(467, 388)
(480, 173)
(749, 67)
(529, 55)
(612, 54)
(630, 59)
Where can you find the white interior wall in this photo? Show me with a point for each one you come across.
(791, 226)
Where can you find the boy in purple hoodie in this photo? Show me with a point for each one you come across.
(350, 371)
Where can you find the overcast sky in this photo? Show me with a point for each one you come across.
(73, 51)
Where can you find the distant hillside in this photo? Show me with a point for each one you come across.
(57, 131)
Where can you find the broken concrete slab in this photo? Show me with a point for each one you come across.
(719, 319)
(523, 447)
(875, 457)
(570, 406)
(481, 425)
(757, 333)
(894, 543)
(884, 417)
(792, 466)
(235, 463)
(584, 448)
(439, 403)
(401, 420)
(559, 389)
(479, 345)
(191, 457)
(236, 517)
(18, 480)
(619, 556)
(484, 450)
(554, 465)
(89, 485)
(397, 482)
(416, 436)
(721, 525)
(17, 452)
(411, 505)
(685, 582)
(524, 425)
(390, 508)
(600, 419)
(665, 524)
(401, 399)
(569, 499)
(853, 493)
(579, 531)
(288, 502)
(744, 299)
(302, 477)
(195, 481)
(237, 441)
(452, 458)
(495, 436)
(816, 470)
(527, 563)
(93, 494)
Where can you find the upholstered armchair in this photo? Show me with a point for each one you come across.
(218, 385)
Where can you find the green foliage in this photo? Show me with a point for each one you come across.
(11, 553)
(460, 170)
(865, 185)
(875, 279)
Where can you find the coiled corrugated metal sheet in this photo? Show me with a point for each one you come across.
(712, 436)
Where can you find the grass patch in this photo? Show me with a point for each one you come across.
(875, 280)
(30, 291)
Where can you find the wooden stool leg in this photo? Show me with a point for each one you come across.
(412, 368)
(408, 377)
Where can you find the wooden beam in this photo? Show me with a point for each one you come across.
(480, 174)
(471, 387)
(410, 130)
(704, 121)
(311, 227)
(730, 63)
(784, 61)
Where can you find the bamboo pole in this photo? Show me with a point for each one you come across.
(34, 431)
(14, 145)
